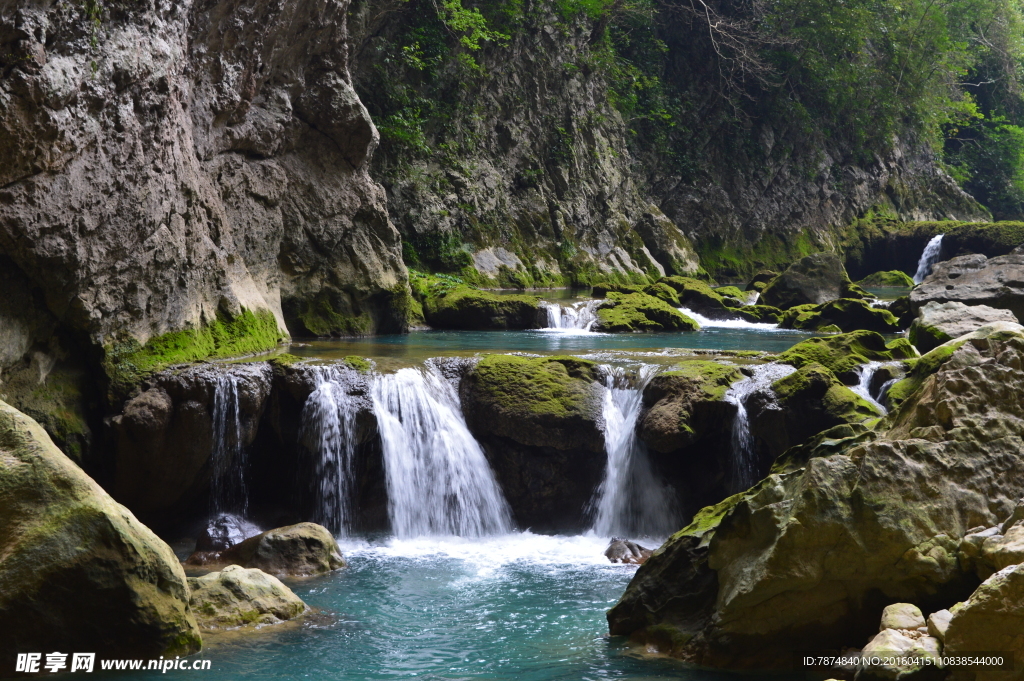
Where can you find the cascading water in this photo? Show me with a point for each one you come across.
(865, 376)
(329, 431)
(579, 316)
(227, 485)
(726, 323)
(744, 458)
(929, 257)
(631, 501)
(438, 480)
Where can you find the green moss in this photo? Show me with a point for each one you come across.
(641, 312)
(360, 364)
(920, 369)
(664, 292)
(320, 317)
(843, 314)
(547, 386)
(714, 378)
(284, 359)
(845, 352)
(463, 307)
(127, 362)
(731, 291)
(891, 279)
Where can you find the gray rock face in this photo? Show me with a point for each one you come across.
(173, 161)
(975, 280)
(990, 620)
(809, 557)
(937, 323)
(298, 550)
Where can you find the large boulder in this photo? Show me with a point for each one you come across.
(975, 280)
(813, 280)
(240, 597)
(890, 279)
(77, 570)
(295, 551)
(464, 307)
(808, 558)
(990, 621)
(845, 314)
(539, 423)
(937, 323)
(628, 312)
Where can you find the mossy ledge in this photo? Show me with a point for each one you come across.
(127, 362)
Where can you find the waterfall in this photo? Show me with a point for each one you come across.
(726, 323)
(579, 316)
(865, 374)
(438, 480)
(744, 457)
(329, 432)
(631, 501)
(929, 257)
(227, 485)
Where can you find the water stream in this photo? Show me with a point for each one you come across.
(579, 316)
(865, 377)
(931, 254)
(631, 501)
(727, 323)
(227, 485)
(439, 482)
(744, 456)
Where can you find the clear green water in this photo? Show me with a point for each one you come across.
(522, 607)
(413, 348)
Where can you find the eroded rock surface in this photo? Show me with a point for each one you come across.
(937, 323)
(975, 280)
(240, 597)
(298, 550)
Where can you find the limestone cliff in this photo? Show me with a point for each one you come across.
(181, 180)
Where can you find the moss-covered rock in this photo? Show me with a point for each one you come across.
(298, 550)
(540, 425)
(889, 279)
(695, 294)
(664, 292)
(843, 353)
(937, 323)
(463, 307)
(236, 597)
(844, 314)
(77, 570)
(811, 557)
(629, 312)
(761, 280)
(812, 280)
(900, 308)
(126, 363)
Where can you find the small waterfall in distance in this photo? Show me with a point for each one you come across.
(930, 256)
(438, 479)
(631, 501)
(329, 432)
(227, 460)
(744, 457)
(579, 316)
(865, 374)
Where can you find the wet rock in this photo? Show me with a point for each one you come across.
(890, 279)
(844, 353)
(79, 572)
(975, 280)
(816, 279)
(165, 437)
(840, 315)
(892, 646)
(902, 616)
(629, 312)
(624, 551)
(540, 425)
(990, 621)
(937, 323)
(224, 531)
(802, 559)
(295, 551)
(760, 280)
(237, 597)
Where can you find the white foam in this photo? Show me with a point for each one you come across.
(727, 323)
(495, 552)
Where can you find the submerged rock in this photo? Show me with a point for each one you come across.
(238, 597)
(77, 570)
(624, 551)
(975, 280)
(294, 551)
(937, 323)
(808, 558)
(813, 280)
